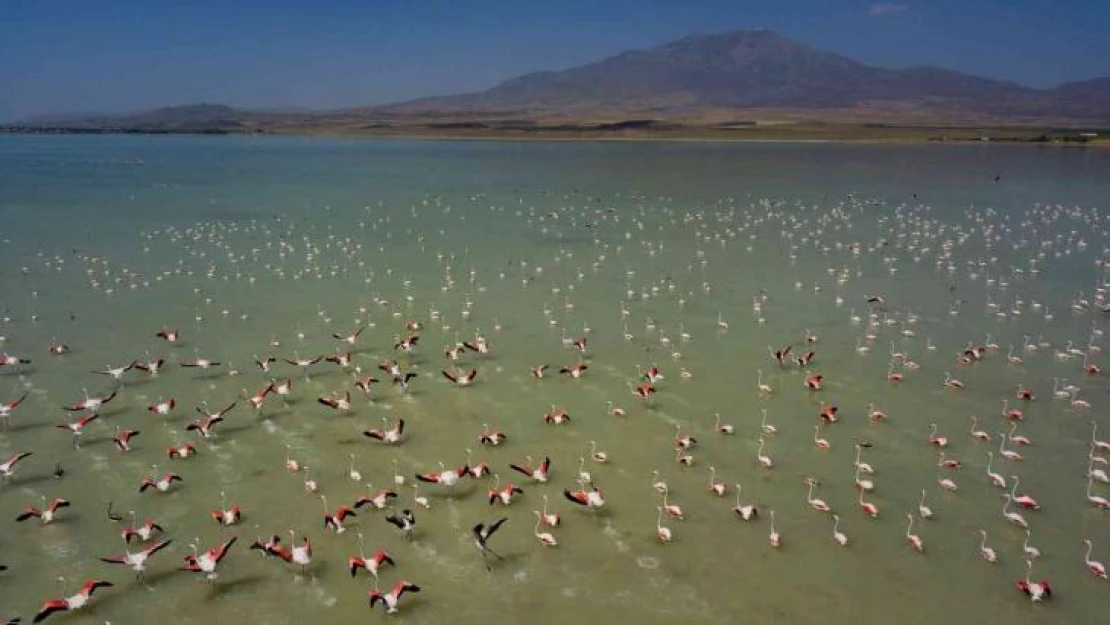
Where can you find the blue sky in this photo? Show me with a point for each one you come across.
(98, 55)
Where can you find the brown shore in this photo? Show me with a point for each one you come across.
(623, 130)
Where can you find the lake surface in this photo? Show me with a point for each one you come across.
(692, 257)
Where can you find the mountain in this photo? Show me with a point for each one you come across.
(734, 79)
(187, 118)
(761, 70)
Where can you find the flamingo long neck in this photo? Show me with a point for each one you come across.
(1013, 491)
(909, 528)
(836, 525)
(772, 522)
(1088, 556)
(983, 542)
(990, 461)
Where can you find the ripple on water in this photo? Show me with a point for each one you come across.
(647, 562)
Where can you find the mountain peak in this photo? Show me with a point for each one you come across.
(753, 69)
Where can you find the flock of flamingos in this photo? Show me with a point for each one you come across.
(998, 436)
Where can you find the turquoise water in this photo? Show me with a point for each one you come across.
(644, 248)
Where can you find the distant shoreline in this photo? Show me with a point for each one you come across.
(780, 133)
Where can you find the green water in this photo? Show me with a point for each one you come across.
(641, 247)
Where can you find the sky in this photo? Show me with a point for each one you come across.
(64, 56)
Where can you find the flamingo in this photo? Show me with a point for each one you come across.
(144, 532)
(136, 561)
(1013, 517)
(475, 470)
(309, 483)
(406, 522)
(73, 602)
(504, 495)
(182, 451)
(1097, 474)
(818, 442)
(161, 484)
(994, 478)
(863, 485)
(862, 466)
(924, 511)
(978, 434)
(1096, 568)
(764, 389)
(393, 597)
(988, 554)
(839, 536)
(291, 464)
(1013, 414)
(583, 475)
(597, 456)
(7, 407)
(717, 488)
(817, 504)
(419, 499)
(773, 537)
(764, 461)
(947, 463)
(446, 477)
(765, 427)
(494, 438)
(868, 508)
(746, 511)
(1010, 455)
(1096, 500)
(354, 474)
(47, 514)
(208, 561)
(1100, 445)
(672, 510)
(335, 521)
(482, 533)
(302, 554)
(1030, 552)
(726, 428)
(1025, 501)
(550, 520)
(1018, 439)
(387, 435)
(661, 532)
(685, 460)
(379, 500)
(915, 540)
(874, 414)
(398, 479)
(683, 441)
(77, 428)
(538, 473)
(1038, 591)
(227, 516)
(545, 538)
(370, 565)
(659, 485)
(588, 498)
(951, 382)
(934, 440)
